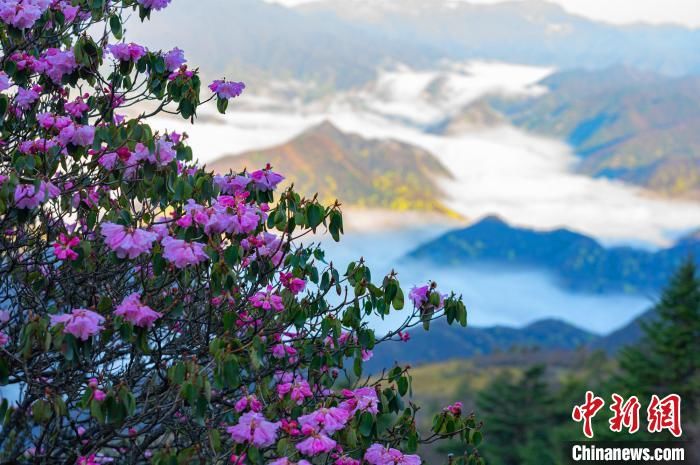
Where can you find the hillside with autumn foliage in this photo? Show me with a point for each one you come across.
(361, 172)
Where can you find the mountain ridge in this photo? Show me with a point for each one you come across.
(626, 124)
(319, 42)
(368, 173)
(547, 337)
(580, 263)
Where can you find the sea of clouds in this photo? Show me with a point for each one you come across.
(528, 180)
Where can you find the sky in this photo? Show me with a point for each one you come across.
(685, 12)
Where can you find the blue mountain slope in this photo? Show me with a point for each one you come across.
(579, 262)
(445, 342)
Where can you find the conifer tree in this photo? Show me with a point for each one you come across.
(667, 358)
(517, 415)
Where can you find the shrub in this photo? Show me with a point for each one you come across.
(154, 312)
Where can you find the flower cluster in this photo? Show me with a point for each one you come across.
(81, 323)
(136, 313)
(227, 90)
(380, 455)
(22, 14)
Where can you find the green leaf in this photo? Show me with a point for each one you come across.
(41, 411)
(402, 384)
(231, 255)
(4, 371)
(215, 440)
(4, 102)
(398, 300)
(314, 215)
(357, 366)
(366, 424)
(115, 23)
(475, 437)
(96, 411)
(222, 105)
(412, 443)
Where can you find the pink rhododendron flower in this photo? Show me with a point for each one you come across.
(77, 107)
(265, 244)
(361, 399)
(127, 242)
(89, 460)
(99, 395)
(227, 90)
(25, 98)
(126, 52)
(174, 59)
(4, 81)
(46, 120)
(248, 402)
(377, 454)
(286, 461)
(59, 63)
(62, 248)
(22, 14)
(295, 285)
(266, 180)
(316, 443)
(345, 460)
(81, 323)
(454, 409)
(108, 161)
(327, 420)
(4, 339)
(298, 390)
(230, 215)
(280, 351)
(267, 300)
(291, 427)
(27, 196)
(154, 4)
(181, 253)
(69, 11)
(161, 229)
(136, 313)
(83, 136)
(419, 295)
(231, 184)
(163, 154)
(254, 429)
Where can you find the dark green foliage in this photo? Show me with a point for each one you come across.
(667, 358)
(518, 417)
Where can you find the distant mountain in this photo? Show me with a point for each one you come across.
(625, 124)
(360, 172)
(261, 42)
(477, 115)
(543, 341)
(445, 342)
(579, 262)
(341, 43)
(625, 336)
(528, 32)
